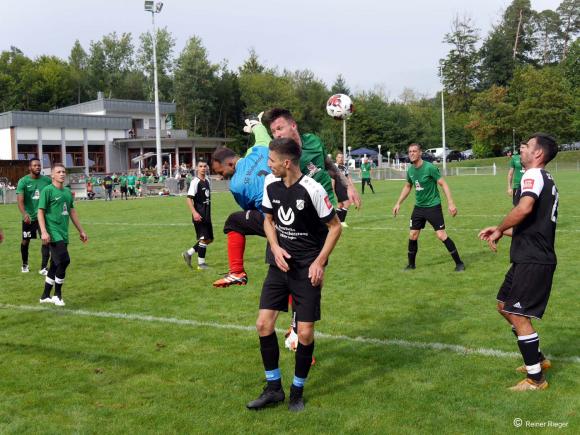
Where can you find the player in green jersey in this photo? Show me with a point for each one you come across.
(425, 177)
(55, 207)
(123, 185)
(131, 184)
(28, 193)
(514, 177)
(365, 174)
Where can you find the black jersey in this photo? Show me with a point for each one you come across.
(343, 169)
(300, 214)
(533, 239)
(199, 192)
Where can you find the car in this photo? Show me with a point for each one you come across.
(468, 154)
(455, 155)
(428, 157)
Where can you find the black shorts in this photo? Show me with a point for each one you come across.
(30, 230)
(279, 285)
(203, 230)
(516, 196)
(123, 189)
(341, 191)
(526, 289)
(248, 223)
(433, 215)
(59, 253)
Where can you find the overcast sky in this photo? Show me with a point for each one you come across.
(373, 43)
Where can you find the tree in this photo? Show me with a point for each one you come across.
(339, 86)
(252, 64)
(459, 68)
(78, 62)
(569, 11)
(165, 63)
(548, 37)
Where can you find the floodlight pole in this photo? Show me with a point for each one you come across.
(443, 134)
(344, 140)
(156, 91)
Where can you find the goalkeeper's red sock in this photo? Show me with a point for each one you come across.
(236, 248)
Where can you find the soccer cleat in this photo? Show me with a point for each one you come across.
(58, 301)
(460, 267)
(25, 268)
(268, 397)
(296, 403)
(409, 267)
(232, 279)
(546, 364)
(187, 258)
(43, 271)
(202, 266)
(47, 300)
(529, 385)
(344, 225)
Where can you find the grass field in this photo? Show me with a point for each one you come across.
(146, 345)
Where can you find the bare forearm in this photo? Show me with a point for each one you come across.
(21, 205)
(41, 220)
(514, 217)
(404, 194)
(74, 217)
(334, 231)
(191, 206)
(270, 231)
(447, 192)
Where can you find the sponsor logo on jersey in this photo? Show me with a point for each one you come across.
(300, 204)
(327, 202)
(286, 217)
(312, 169)
(418, 187)
(528, 183)
(64, 210)
(36, 194)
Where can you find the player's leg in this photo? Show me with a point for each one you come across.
(363, 182)
(45, 253)
(27, 231)
(416, 224)
(205, 237)
(371, 185)
(48, 284)
(59, 253)
(435, 218)
(272, 300)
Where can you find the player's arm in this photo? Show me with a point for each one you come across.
(353, 195)
(510, 177)
(514, 217)
(194, 213)
(74, 217)
(42, 224)
(316, 269)
(20, 198)
(450, 204)
(402, 197)
(279, 253)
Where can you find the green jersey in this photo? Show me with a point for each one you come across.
(31, 188)
(131, 180)
(365, 170)
(516, 165)
(123, 180)
(312, 163)
(144, 179)
(425, 178)
(57, 204)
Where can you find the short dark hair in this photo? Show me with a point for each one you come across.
(548, 145)
(222, 154)
(275, 113)
(415, 145)
(58, 165)
(34, 159)
(287, 147)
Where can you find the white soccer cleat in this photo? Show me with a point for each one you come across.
(57, 301)
(25, 268)
(43, 272)
(291, 341)
(46, 301)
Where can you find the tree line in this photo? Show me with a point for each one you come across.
(522, 77)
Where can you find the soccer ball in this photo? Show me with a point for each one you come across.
(339, 106)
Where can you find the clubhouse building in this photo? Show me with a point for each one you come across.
(100, 136)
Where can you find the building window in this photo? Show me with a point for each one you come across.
(74, 156)
(27, 152)
(50, 155)
(133, 152)
(97, 158)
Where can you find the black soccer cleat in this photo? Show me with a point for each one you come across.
(460, 267)
(296, 403)
(409, 267)
(268, 397)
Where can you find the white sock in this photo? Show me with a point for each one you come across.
(200, 260)
(190, 251)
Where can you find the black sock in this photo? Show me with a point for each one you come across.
(372, 189)
(452, 250)
(529, 347)
(48, 283)
(24, 254)
(303, 363)
(201, 250)
(412, 254)
(341, 213)
(270, 355)
(195, 247)
(58, 282)
(45, 256)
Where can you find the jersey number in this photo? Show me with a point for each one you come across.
(554, 216)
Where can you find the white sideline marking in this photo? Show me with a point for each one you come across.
(462, 350)
(446, 229)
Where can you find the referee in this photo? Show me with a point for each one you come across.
(524, 294)
(425, 177)
(302, 230)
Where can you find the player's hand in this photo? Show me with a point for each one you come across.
(197, 217)
(510, 192)
(1, 236)
(26, 218)
(316, 273)
(45, 238)
(83, 236)
(452, 209)
(491, 235)
(354, 197)
(396, 210)
(280, 255)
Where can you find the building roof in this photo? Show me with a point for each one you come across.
(111, 105)
(62, 120)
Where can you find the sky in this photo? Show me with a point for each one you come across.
(376, 45)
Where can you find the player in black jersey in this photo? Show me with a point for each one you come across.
(341, 190)
(199, 202)
(526, 288)
(302, 230)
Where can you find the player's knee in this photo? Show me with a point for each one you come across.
(442, 235)
(306, 335)
(414, 234)
(500, 307)
(25, 242)
(264, 327)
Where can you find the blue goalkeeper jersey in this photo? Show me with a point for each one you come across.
(247, 184)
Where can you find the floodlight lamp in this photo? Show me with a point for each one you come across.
(149, 5)
(158, 6)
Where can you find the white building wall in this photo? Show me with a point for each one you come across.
(116, 134)
(48, 134)
(5, 144)
(27, 133)
(95, 135)
(71, 134)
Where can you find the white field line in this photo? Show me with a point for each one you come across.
(458, 349)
